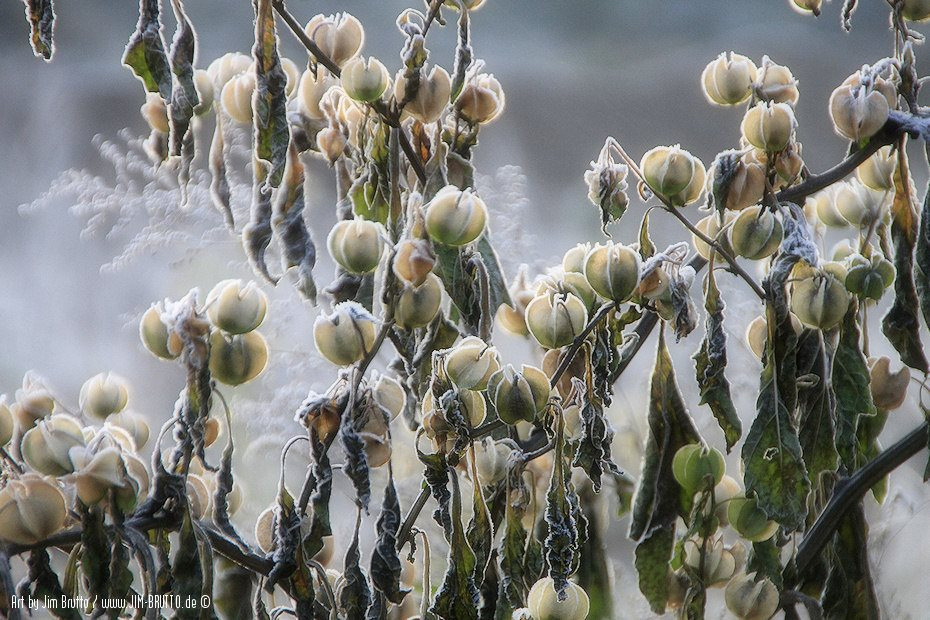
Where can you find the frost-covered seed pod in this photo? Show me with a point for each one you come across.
(482, 99)
(471, 363)
(869, 277)
(858, 205)
(916, 10)
(769, 126)
(544, 604)
(103, 395)
(237, 97)
(573, 259)
(889, 389)
(98, 472)
(519, 395)
(668, 170)
(756, 233)
(807, 6)
(749, 599)
(727, 80)
(858, 112)
(339, 37)
(7, 422)
(491, 459)
(203, 83)
(313, 85)
(413, 261)
(46, 447)
(356, 245)
(717, 561)
(775, 83)
(236, 307)
(388, 394)
(155, 112)
(434, 423)
(745, 516)
(710, 226)
(417, 306)
(133, 423)
(237, 359)
(877, 172)
(155, 336)
(331, 142)
(33, 509)
(694, 466)
(612, 270)
(823, 205)
(346, 335)
(431, 98)
(455, 217)
(365, 80)
(554, 319)
(818, 298)
(227, 67)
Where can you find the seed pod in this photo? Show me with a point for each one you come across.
(576, 368)
(98, 472)
(413, 261)
(292, 75)
(33, 509)
(236, 307)
(787, 163)
(133, 423)
(356, 245)
(612, 270)
(570, 282)
(718, 563)
(695, 465)
(750, 599)
(859, 205)
(103, 395)
(7, 422)
(211, 431)
(237, 359)
(669, 170)
(544, 604)
(573, 260)
(513, 318)
(471, 363)
(776, 83)
(519, 395)
(823, 205)
(227, 67)
(331, 142)
(745, 516)
(313, 85)
(858, 112)
(884, 80)
(888, 388)
(481, 100)
(417, 306)
(756, 233)
(136, 470)
(346, 335)
(877, 172)
(455, 217)
(747, 184)
(469, 5)
(434, 423)
(818, 298)
(807, 6)
(726, 489)
(916, 10)
(710, 226)
(769, 126)
(491, 460)
(431, 98)
(365, 80)
(727, 80)
(155, 112)
(554, 319)
(377, 439)
(607, 186)
(203, 83)
(155, 336)
(388, 394)
(869, 277)
(843, 249)
(47, 445)
(198, 496)
(237, 97)
(756, 335)
(339, 36)
(695, 189)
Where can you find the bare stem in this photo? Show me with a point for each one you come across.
(403, 534)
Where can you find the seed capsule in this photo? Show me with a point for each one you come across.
(413, 261)
(807, 6)
(310, 91)
(356, 245)
(236, 307)
(471, 363)
(715, 565)
(431, 97)
(669, 170)
(435, 424)
(481, 100)
(339, 36)
(769, 126)
(746, 186)
(365, 80)
(238, 359)
(237, 97)
(776, 83)
(47, 445)
(491, 460)
(388, 394)
(103, 394)
(203, 83)
(869, 277)
(745, 516)
(756, 233)
(331, 142)
(750, 599)
(519, 395)
(889, 389)
(227, 67)
(554, 319)
(859, 205)
(877, 172)
(133, 423)
(858, 112)
(155, 112)
(346, 335)
(916, 10)
(33, 509)
(7, 423)
(613, 270)
(513, 318)
(417, 306)
(455, 217)
(155, 336)
(97, 472)
(710, 226)
(544, 604)
(823, 205)
(728, 79)
(695, 466)
(818, 298)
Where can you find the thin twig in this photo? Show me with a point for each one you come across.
(403, 534)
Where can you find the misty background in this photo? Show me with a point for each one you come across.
(574, 72)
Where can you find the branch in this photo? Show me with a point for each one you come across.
(403, 534)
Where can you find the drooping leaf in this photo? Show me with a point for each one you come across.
(145, 52)
(594, 574)
(183, 91)
(710, 362)
(765, 559)
(187, 569)
(901, 325)
(922, 256)
(646, 247)
(256, 235)
(385, 563)
(461, 280)
(851, 385)
(269, 100)
(224, 486)
(514, 584)
(120, 574)
(319, 489)
(436, 477)
(96, 554)
(286, 538)
(355, 595)
(463, 56)
(42, 584)
(457, 596)
(356, 460)
(41, 17)
(816, 408)
(562, 540)
(653, 554)
(850, 591)
(480, 530)
(289, 225)
(220, 193)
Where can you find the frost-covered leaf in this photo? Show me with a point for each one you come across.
(765, 559)
(514, 582)
(594, 574)
(356, 460)
(256, 235)
(385, 563)
(355, 595)
(816, 408)
(592, 451)
(286, 532)
(289, 225)
(851, 386)
(220, 193)
(653, 554)
(457, 596)
(480, 530)
(41, 17)
(187, 569)
(42, 583)
(462, 280)
(183, 92)
(319, 488)
(561, 546)
(850, 591)
(145, 52)
(95, 552)
(269, 101)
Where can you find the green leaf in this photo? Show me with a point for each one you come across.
(41, 17)
(462, 283)
(816, 406)
(385, 563)
(901, 325)
(653, 554)
(480, 530)
(851, 385)
(849, 591)
(187, 569)
(145, 52)
(710, 362)
(457, 596)
(269, 101)
(765, 559)
(42, 583)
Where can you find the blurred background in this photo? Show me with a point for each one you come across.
(574, 73)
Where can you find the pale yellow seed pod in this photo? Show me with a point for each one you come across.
(769, 126)
(310, 91)
(7, 422)
(377, 440)
(776, 83)
(470, 5)
(292, 73)
(203, 83)
(237, 97)
(727, 80)
(668, 169)
(33, 509)
(346, 335)
(339, 37)
(239, 358)
(431, 98)
(46, 447)
(133, 423)
(747, 184)
(476, 411)
(417, 306)
(104, 394)
(544, 604)
(711, 227)
(843, 249)
(33, 403)
(818, 299)
(519, 396)
(388, 394)
(573, 260)
(455, 217)
(211, 431)
(138, 471)
(513, 318)
(860, 206)
(356, 245)
(916, 10)
(695, 189)
(877, 172)
(198, 496)
(749, 599)
(886, 82)
(858, 112)
(756, 233)
(724, 491)
(756, 334)
(236, 307)
(331, 142)
(612, 270)
(365, 80)
(227, 67)
(471, 362)
(155, 112)
(491, 459)
(155, 337)
(718, 563)
(97, 473)
(482, 99)
(413, 261)
(264, 529)
(889, 389)
(554, 319)
(823, 205)
(807, 6)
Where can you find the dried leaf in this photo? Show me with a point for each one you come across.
(41, 17)
(42, 584)
(457, 596)
(269, 101)
(145, 52)
(356, 461)
(463, 286)
(355, 595)
(385, 562)
(187, 569)
(256, 235)
(220, 193)
(183, 92)
(480, 531)
(288, 224)
(562, 539)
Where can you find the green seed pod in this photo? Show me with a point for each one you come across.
(726, 489)
(356, 245)
(756, 233)
(612, 270)
(238, 359)
(554, 319)
(750, 599)
(746, 186)
(235, 307)
(482, 99)
(916, 10)
(455, 217)
(769, 126)
(339, 36)
(877, 172)
(818, 298)
(869, 277)
(46, 447)
(345, 336)
(417, 306)
(33, 509)
(471, 362)
(432, 95)
(775, 83)
(695, 466)
(476, 411)
(842, 250)
(889, 389)
(858, 112)
(103, 395)
(519, 395)
(695, 189)
(571, 282)
(365, 80)
(727, 80)
(718, 562)
(669, 170)
(155, 336)
(544, 604)
(745, 516)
